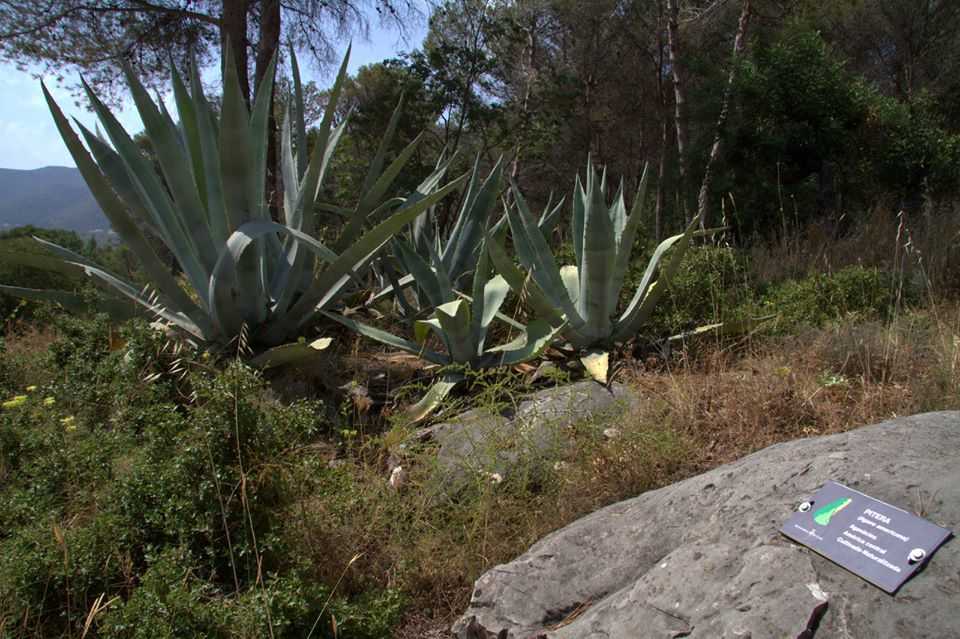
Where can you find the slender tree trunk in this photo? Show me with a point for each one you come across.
(664, 137)
(738, 43)
(680, 109)
(266, 49)
(233, 31)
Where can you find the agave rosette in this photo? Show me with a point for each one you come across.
(245, 273)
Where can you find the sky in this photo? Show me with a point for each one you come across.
(29, 139)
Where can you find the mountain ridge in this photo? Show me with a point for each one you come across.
(50, 197)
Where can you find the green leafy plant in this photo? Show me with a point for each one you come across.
(461, 323)
(583, 298)
(247, 274)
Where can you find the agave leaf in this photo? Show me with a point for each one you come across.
(226, 287)
(628, 235)
(293, 353)
(523, 287)
(571, 280)
(111, 165)
(376, 193)
(68, 300)
(454, 318)
(423, 328)
(647, 295)
(154, 195)
(424, 276)
(388, 338)
(39, 261)
(191, 134)
(376, 166)
(434, 397)
(120, 220)
(301, 123)
(172, 316)
(550, 217)
(259, 134)
(535, 254)
(596, 304)
(537, 337)
(467, 234)
(334, 277)
(579, 207)
(209, 137)
(597, 364)
(189, 213)
(237, 161)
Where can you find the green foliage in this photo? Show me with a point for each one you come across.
(25, 263)
(163, 495)
(807, 130)
(824, 297)
(710, 286)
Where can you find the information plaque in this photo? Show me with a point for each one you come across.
(872, 539)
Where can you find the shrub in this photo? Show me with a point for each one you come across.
(710, 286)
(161, 494)
(823, 297)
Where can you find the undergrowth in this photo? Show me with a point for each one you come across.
(147, 491)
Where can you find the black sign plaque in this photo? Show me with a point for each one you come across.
(872, 539)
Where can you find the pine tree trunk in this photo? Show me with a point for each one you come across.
(680, 108)
(703, 208)
(267, 47)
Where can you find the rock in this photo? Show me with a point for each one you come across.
(704, 558)
(484, 443)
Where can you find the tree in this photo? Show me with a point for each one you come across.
(93, 36)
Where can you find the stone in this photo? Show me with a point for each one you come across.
(703, 558)
(483, 443)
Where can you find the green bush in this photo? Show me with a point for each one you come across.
(165, 495)
(710, 286)
(823, 297)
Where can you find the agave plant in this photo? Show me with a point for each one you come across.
(455, 254)
(462, 325)
(246, 274)
(584, 297)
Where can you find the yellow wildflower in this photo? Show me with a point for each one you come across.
(31, 388)
(69, 423)
(13, 403)
(49, 401)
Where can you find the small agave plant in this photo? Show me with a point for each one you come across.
(246, 274)
(462, 325)
(455, 254)
(583, 297)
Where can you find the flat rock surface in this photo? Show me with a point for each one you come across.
(704, 558)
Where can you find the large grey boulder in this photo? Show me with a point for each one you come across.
(490, 443)
(704, 558)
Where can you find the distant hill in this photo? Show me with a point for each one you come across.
(52, 197)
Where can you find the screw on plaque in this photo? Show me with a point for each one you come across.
(805, 506)
(916, 555)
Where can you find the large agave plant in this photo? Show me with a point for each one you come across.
(462, 325)
(584, 296)
(244, 272)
